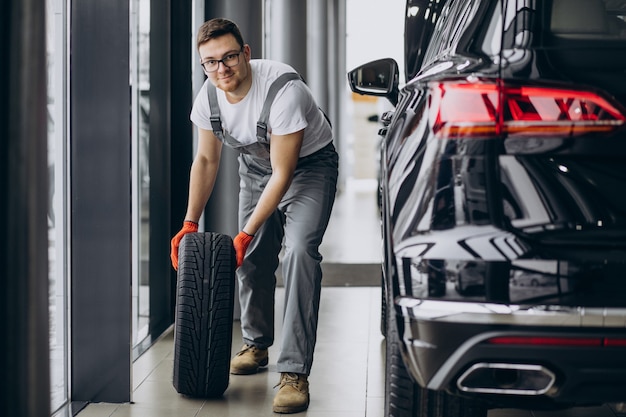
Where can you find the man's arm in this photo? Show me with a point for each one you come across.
(203, 173)
(284, 154)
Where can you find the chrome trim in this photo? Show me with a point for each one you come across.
(511, 314)
(519, 367)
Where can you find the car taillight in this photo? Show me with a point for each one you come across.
(557, 341)
(464, 109)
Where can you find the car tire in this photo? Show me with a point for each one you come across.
(383, 307)
(405, 398)
(204, 314)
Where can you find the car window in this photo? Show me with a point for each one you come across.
(436, 42)
(492, 40)
(421, 16)
(518, 24)
(589, 19)
(449, 28)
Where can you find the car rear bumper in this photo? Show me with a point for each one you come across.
(540, 355)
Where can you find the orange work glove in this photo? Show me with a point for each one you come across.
(188, 227)
(241, 243)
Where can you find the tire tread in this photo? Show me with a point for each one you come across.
(204, 314)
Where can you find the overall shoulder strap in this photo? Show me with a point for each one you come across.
(216, 121)
(261, 125)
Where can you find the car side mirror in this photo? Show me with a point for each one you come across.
(376, 78)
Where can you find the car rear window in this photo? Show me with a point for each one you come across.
(449, 28)
(589, 19)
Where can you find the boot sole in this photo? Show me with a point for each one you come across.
(290, 410)
(250, 371)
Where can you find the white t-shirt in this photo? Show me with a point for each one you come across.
(293, 109)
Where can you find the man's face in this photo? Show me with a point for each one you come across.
(226, 48)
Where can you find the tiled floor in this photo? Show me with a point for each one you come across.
(346, 379)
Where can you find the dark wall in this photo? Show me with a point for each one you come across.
(101, 201)
(101, 184)
(24, 345)
(171, 140)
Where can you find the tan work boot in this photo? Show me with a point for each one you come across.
(292, 395)
(248, 360)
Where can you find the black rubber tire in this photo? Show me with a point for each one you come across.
(401, 399)
(204, 314)
(405, 398)
(383, 307)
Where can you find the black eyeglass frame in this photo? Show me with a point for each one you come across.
(217, 62)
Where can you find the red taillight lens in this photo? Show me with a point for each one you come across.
(463, 109)
(545, 341)
(557, 341)
(615, 342)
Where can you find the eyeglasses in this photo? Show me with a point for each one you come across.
(229, 61)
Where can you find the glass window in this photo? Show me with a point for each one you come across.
(589, 19)
(140, 115)
(56, 40)
(449, 28)
(419, 24)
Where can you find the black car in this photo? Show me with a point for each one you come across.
(504, 166)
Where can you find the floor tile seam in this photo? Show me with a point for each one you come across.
(147, 377)
(154, 406)
(350, 387)
(170, 406)
(93, 406)
(369, 353)
(165, 357)
(151, 365)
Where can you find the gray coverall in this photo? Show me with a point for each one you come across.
(301, 219)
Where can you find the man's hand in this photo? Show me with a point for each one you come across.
(241, 243)
(188, 227)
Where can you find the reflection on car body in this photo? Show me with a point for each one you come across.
(503, 215)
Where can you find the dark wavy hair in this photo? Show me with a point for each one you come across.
(217, 27)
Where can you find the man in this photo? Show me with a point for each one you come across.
(287, 189)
